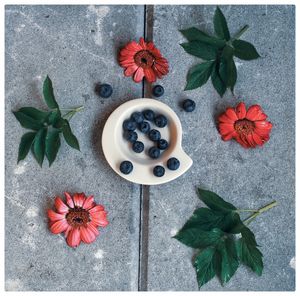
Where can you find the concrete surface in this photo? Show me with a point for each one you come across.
(77, 46)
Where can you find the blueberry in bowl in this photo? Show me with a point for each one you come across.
(129, 125)
(137, 117)
(138, 147)
(162, 144)
(149, 114)
(161, 120)
(158, 171)
(144, 127)
(173, 164)
(130, 136)
(154, 135)
(126, 167)
(154, 152)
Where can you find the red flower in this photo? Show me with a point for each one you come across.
(79, 218)
(249, 128)
(141, 60)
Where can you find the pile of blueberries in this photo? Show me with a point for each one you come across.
(140, 121)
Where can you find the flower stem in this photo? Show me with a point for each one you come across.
(260, 211)
(72, 112)
(240, 33)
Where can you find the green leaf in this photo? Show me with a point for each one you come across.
(201, 50)
(52, 145)
(198, 75)
(54, 118)
(245, 50)
(34, 113)
(38, 146)
(198, 239)
(204, 265)
(229, 259)
(192, 34)
(214, 201)
(228, 73)
(48, 94)
(248, 253)
(220, 25)
(217, 82)
(27, 121)
(227, 53)
(25, 145)
(69, 136)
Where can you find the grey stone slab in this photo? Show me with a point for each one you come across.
(77, 46)
(247, 178)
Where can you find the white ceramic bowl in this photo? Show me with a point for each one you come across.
(117, 149)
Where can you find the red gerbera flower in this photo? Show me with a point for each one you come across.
(79, 218)
(141, 60)
(249, 128)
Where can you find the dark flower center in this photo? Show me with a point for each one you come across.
(78, 217)
(244, 126)
(144, 59)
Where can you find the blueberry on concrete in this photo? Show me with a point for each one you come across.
(126, 167)
(189, 105)
(130, 136)
(173, 164)
(144, 127)
(161, 120)
(105, 90)
(138, 147)
(149, 115)
(158, 90)
(137, 117)
(154, 135)
(162, 144)
(154, 152)
(158, 171)
(129, 125)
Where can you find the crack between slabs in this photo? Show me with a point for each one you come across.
(144, 189)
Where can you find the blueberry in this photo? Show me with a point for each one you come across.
(130, 136)
(144, 127)
(161, 120)
(154, 152)
(154, 135)
(105, 90)
(138, 147)
(173, 164)
(149, 115)
(126, 167)
(137, 117)
(159, 171)
(189, 105)
(162, 144)
(129, 125)
(158, 90)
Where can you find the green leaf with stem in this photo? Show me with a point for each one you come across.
(27, 121)
(69, 136)
(35, 114)
(245, 50)
(52, 145)
(216, 80)
(38, 146)
(200, 49)
(48, 94)
(220, 25)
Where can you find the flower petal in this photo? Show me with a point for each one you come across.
(68, 230)
(143, 43)
(229, 136)
(97, 208)
(139, 75)
(87, 235)
(150, 75)
(60, 205)
(255, 113)
(53, 216)
(99, 218)
(93, 227)
(257, 139)
(230, 112)
(263, 125)
(79, 199)
(241, 110)
(73, 238)
(69, 200)
(225, 128)
(59, 226)
(89, 202)
(130, 70)
(224, 118)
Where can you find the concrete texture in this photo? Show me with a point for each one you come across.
(77, 46)
(247, 178)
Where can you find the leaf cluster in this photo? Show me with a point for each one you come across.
(212, 230)
(218, 52)
(46, 127)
